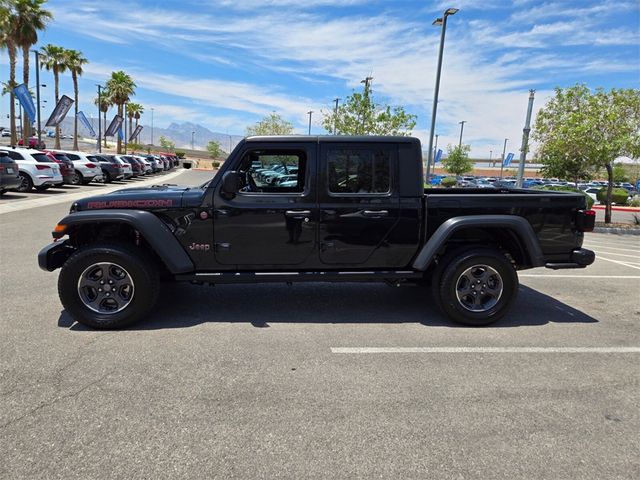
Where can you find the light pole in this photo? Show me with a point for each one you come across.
(438, 21)
(310, 112)
(99, 120)
(151, 126)
(461, 130)
(435, 150)
(125, 128)
(37, 55)
(335, 119)
(525, 139)
(367, 82)
(192, 139)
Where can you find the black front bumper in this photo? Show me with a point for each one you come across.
(54, 255)
(580, 258)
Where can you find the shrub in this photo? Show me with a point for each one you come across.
(449, 182)
(180, 153)
(634, 202)
(566, 188)
(618, 196)
(216, 164)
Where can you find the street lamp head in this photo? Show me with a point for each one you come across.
(437, 22)
(451, 11)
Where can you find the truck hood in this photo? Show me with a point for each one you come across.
(142, 198)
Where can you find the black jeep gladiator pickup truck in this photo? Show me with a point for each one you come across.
(307, 208)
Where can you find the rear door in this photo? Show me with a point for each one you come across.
(359, 206)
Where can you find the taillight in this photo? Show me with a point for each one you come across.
(42, 167)
(586, 220)
(90, 165)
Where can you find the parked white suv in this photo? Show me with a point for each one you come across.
(85, 169)
(36, 169)
(148, 168)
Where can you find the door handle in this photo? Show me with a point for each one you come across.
(298, 214)
(375, 213)
(222, 213)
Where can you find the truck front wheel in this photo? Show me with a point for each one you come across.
(475, 287)
(108, 286)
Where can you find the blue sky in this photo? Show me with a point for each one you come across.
(227, 63)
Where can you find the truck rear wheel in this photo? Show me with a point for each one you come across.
(108, 286)
(475, 287)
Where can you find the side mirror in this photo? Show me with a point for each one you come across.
(230, 183)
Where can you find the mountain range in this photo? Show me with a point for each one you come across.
(179, 133)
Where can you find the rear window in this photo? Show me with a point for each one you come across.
(61, 156)
(15, 155)
(41, 157)
(5, 158)
(73, 156)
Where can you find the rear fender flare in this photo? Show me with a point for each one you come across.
(519, 225)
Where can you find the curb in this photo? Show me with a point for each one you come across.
(617, 209)
(617, 231)
(20, 205)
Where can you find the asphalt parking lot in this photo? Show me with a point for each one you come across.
(321, 380)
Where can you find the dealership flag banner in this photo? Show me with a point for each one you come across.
(135, 133)
(114, 126)
(507, 160)
(438, 155)
(86, 123)
(120, 136)
(61, 110)
(22, 92)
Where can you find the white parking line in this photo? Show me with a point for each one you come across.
(533, 275)
(617, 243)
(609, 247)
(599, 257)
(635, 257)
(358, 350)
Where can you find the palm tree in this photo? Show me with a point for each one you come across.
(74, 62)
(105, 105)
(121, 87)
(133, 109)
(30, 17)
(54, 58)
(137, 116)
(7, 40)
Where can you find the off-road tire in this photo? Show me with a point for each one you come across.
(137, 264)
(451, 280)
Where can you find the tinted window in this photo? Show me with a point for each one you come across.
(359, 170)
(61, 156)
(15, 155)
(73, 156)
(273, 171)
(41, 157)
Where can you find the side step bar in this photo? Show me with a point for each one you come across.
(290, 277)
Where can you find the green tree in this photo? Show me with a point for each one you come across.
(591, 128)
(457, 161)
(121, 88)
(360, 115)
(105, 105)
(620, 173)
(214, 149)
(75, 61)
(8, 41)
(166, 143)
(134, 110)
(272, 124)
(29, 18)
(54, 58)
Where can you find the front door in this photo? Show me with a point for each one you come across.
(359, 208)
(272, 221)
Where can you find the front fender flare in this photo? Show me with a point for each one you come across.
(154, 231)
(519, 225)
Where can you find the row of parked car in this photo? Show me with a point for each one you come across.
(590, 188)
(23, 169)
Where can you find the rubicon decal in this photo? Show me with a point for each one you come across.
(130, 204)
